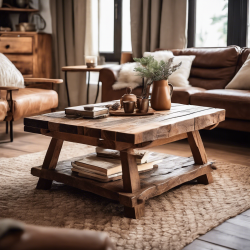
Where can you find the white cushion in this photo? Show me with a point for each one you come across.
(242, 79)
(180, 77)
(10, 76)
(129, 78)
(160, 55)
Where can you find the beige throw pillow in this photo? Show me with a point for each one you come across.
(10, 76)
(242, 79)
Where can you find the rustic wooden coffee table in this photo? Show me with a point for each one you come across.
(125, 134)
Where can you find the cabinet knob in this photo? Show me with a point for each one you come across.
(7, 46)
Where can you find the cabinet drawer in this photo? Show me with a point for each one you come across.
(17, 45)
(24, 63)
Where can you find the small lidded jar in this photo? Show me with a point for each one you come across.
(91, 61)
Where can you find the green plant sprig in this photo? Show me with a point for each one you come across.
(152, 70)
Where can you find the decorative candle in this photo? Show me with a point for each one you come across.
(91, 61)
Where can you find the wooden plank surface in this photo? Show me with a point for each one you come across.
(241, 220)
(164, 124)
(234, 229)
(203, 245)
(226, 240)
(171, 172)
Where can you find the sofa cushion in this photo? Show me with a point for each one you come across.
(235, 102)
(182, 94)
(212, 68)
(32, 101)
(4, 107)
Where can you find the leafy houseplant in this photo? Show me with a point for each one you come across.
(157, 73)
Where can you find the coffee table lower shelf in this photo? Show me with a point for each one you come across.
(173, 171)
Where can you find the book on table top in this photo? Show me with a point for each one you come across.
(80, 111)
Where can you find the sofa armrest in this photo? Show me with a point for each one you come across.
(43, 80)
(108, 75)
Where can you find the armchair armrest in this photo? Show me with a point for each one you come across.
(9, 88)
(9, 99)
(8, 92)
(43, 80)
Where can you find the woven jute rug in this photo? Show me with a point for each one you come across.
(172, 220)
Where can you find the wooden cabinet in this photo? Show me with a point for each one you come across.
(31, 52)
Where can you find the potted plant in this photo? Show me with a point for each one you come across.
(157, 73)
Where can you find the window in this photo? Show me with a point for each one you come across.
(218, 23)
(106, 26)
(248, 24)
(114, 28)
(211, 23)
(126, 26)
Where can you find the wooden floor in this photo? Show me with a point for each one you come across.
(222, 145)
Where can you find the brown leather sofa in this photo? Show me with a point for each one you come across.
(36, 98)
(212, 70)
(15, 235)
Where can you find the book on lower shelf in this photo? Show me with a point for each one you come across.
(141, 155)
(105, 169)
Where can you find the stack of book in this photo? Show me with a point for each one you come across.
(105, 164)
(92, 112)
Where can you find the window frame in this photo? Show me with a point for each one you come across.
(237, 27)
(116, 55)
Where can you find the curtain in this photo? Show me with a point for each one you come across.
(72, 26)
(158, 24)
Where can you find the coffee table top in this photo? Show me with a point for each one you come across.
(163, 124)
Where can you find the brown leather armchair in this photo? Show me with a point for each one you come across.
(15, 235)
(37, 97)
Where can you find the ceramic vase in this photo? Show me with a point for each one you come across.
(161, 95)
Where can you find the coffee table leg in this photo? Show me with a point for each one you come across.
(50, 162)
(199, 154)
(131, 182)
(205, 179)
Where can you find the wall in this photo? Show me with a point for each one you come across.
(44, 7)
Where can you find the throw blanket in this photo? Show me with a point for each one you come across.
(10, 76)
(128, 77)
